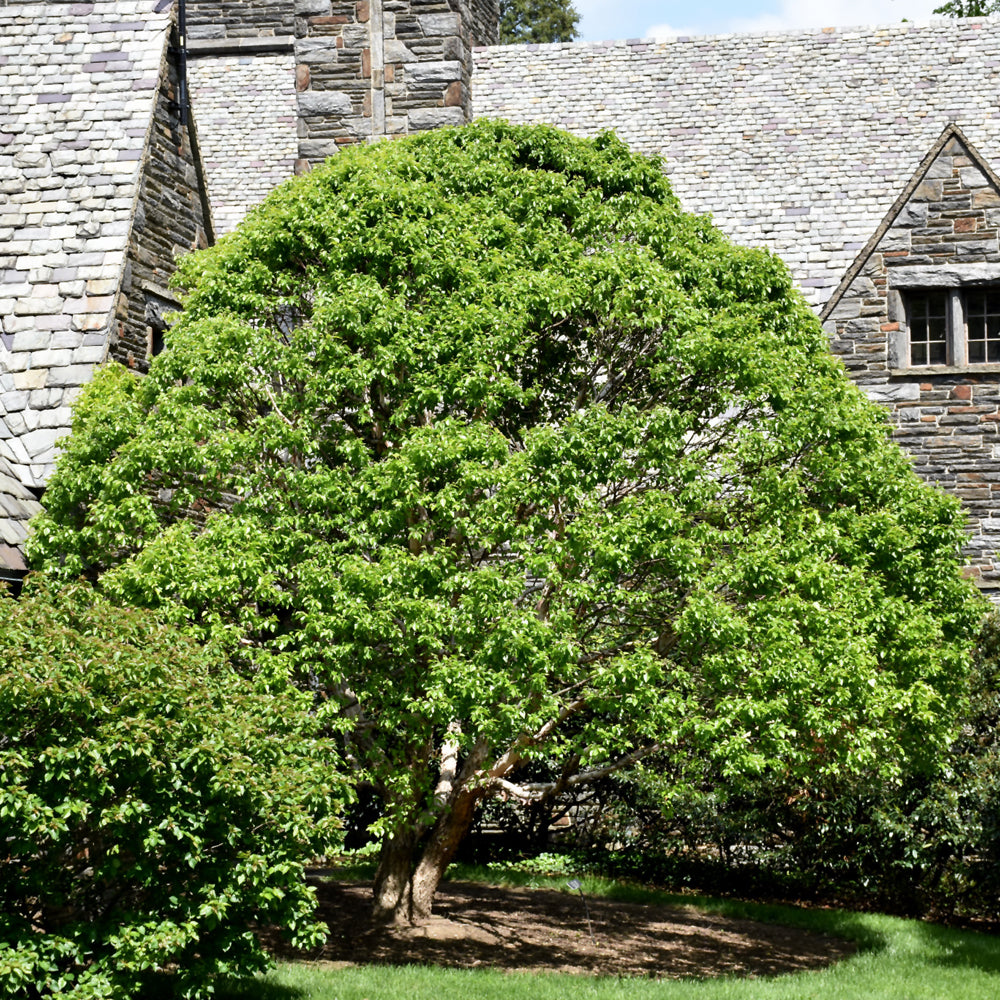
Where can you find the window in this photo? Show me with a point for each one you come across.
(159, 304)
(950, 328)
(927, 320)
(982, 321)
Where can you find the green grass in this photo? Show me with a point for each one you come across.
(898, 960)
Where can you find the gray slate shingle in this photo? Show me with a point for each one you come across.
(17, 505)
(77, 90)
(799, 141)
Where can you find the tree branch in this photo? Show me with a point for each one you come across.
(536, 791)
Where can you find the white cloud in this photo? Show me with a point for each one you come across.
(659, 32)
(824, 13)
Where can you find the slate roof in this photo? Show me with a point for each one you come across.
(78, 83)
(246, 111)
(800, 141)
(17, 505)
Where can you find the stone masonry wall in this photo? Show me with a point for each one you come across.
(361, 69)
(233, 19)
(485, 16)
(947, 417)
(372, 68)
(171, 218)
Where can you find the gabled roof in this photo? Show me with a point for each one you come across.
(952, 131)
(798, 141)
(78, 84)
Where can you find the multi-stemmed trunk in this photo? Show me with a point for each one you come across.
(414, 859)
(409, 871)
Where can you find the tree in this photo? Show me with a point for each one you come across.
(153, 805)
(483, 440)
(968, 8)
(537, 21)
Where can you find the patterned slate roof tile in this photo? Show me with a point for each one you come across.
(797, 140)
(17, 505)
(246, 113)
(77, 90)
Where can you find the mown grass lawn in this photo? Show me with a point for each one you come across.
(897, 960)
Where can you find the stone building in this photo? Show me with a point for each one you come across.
(100, 187)
(864, 157)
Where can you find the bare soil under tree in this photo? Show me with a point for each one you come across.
(540, 930)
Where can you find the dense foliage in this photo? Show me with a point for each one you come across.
(152, 805)
(968, 8)
(537, 21)
(926, 844)
(485, 441)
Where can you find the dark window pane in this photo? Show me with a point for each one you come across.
(927, 314)
(982, 321)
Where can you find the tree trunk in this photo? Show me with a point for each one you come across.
(393, 880)
(404, 891)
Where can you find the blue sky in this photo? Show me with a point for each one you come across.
(608, 19)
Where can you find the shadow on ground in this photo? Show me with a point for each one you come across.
(477, 926)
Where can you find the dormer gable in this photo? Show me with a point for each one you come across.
(941, 232)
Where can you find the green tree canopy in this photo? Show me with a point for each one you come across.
(968, 8)
(484, 440)
(537, 21)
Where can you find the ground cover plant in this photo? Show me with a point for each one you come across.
(507, 460)
(153, 805)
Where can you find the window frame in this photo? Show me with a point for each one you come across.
(956, 282)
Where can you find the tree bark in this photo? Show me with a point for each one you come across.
(447, 834)
(393, 881)
(405, 884)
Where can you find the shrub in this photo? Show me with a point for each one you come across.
(153, 805)
(927, 844)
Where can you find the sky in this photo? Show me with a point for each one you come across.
(602, 20)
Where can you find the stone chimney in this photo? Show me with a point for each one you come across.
(369, 69)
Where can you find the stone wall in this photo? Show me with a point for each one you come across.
(361, 70)
(234, 19)
(171, 217)
(373, 68)
(485, 15)
(942, 234)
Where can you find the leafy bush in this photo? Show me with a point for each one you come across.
(926, 844)
(153, 805)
